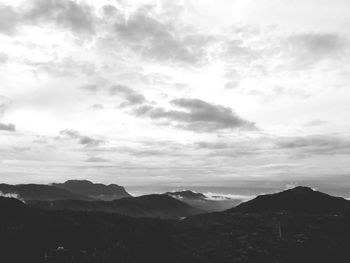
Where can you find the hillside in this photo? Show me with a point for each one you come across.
(33, 235)
(159, 206)
(297, 200)
(39, 192)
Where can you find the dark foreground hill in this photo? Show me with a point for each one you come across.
(39, 192)
(161, 206)
(94, 190)
(33, 235)
(297, 200)
(202, 202)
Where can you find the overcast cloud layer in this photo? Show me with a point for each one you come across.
(196, 93)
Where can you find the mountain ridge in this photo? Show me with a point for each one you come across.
(159, 206)
(300, 199)
(39, 192)
(94, 190)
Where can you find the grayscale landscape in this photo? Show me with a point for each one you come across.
(192, 131)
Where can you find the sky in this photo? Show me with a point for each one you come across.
(229, 93)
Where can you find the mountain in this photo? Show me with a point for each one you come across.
(28, 234)
(187, 194)
(39, 192)
(96, 191)
(297, 200)
(159, 206)
(12, 206)
(203, 202)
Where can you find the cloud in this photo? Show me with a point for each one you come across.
(307, 48)
(84, 140)
(12, 195)
(130, 96)
(238, 51)
(316, 123)
(8, 20)
(316, 144)
(96, 160)
(96, 106)
(78, 17)
(3, 57)
(222, 197)
(157, 39)
(4, 104)
(90, 87)
(66, 67)
(196, 115)
(7, 127)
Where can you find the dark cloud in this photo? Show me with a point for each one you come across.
(77, 17)
(159, 40)
(130, 96)
(196, 115)
(7, 127)
(82, 139)
(8, 20)
(316, 144)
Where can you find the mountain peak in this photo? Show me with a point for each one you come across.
(300, 199)
(301, 189)
(94, 190)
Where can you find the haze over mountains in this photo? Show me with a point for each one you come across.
(203, 201)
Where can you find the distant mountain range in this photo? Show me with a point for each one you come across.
(93, 190)
(28, 192)
(297, 200)
(296, 225)
(203, 202)
(158, 206)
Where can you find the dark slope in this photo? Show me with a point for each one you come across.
(87, 236)
(98, 191)
(209, 238)
(40, 192)
(297, 200)
(161, 206)
(12, 207)
(202, 202)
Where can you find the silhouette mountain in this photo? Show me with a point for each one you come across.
(96, 191)
(159, 206)
(202, 202)
(40, 192)
(29, 234)
(300, 199)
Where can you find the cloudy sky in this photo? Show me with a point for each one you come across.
(231, 93)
